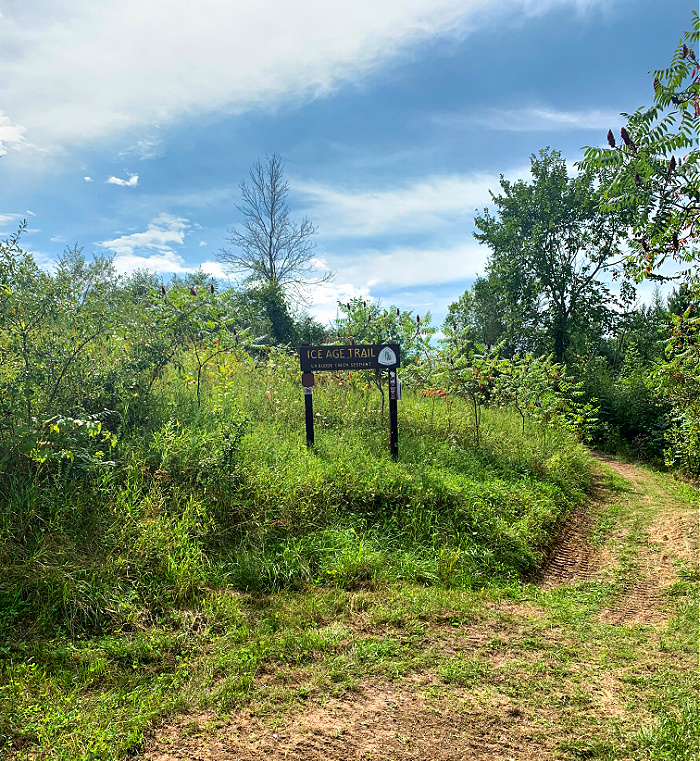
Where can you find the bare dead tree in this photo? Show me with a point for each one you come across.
(269, 246)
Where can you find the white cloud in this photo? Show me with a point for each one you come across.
(151, 249)
(215, 269)
(132, 182)
(406, 267)
(166, 262)
(421, 206)
(534, 119)
(7, 218)
(87, 179)
(327, 295)
(148, 147)
(408, 277)
(11, 135)
(74, 70)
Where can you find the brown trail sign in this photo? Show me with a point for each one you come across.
(346, 358)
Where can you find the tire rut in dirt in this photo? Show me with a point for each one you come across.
(641, 604)
(573, 558)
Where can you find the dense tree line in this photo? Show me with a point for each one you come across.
(566, 255)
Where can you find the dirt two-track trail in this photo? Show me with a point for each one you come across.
(552, 674)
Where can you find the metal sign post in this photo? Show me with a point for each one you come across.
(393, 414)
(307, 381)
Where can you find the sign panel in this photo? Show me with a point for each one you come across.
(355, 357)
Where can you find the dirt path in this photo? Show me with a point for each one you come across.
(549, 675)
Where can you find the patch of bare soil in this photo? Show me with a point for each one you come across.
(623, 469)
(423, 718)
(671, 537)
(381, 722)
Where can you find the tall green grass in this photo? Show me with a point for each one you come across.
(228, 496)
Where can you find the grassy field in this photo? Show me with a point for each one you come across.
(222, 566)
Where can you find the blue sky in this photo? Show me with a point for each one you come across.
(126, 127)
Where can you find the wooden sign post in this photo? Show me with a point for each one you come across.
(375, 357)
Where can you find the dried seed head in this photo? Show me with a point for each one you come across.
(675, 241)
(212, 288)
(626, 138)
(193, 292)
(637, 180)
(162, 290)
(611, 138)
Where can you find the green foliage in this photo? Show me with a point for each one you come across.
(653, 174)
(365, 322)
(539, 389)
(51, 328)
(478, 317)
(632, 419)
(550, 244)
(368, 322)
(679, 383)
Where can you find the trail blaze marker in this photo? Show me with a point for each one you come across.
(354, 357)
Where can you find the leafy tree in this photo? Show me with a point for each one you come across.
(479, 316)
(366, 322)
(269, 247)
(653, 172)
(550, 244)
(539, 389)
(263, 309)
(469, 375)
(54, 331)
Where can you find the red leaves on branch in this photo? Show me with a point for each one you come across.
(627, 139)
(671, 166)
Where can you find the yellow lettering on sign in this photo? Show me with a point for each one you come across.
(373, 352)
